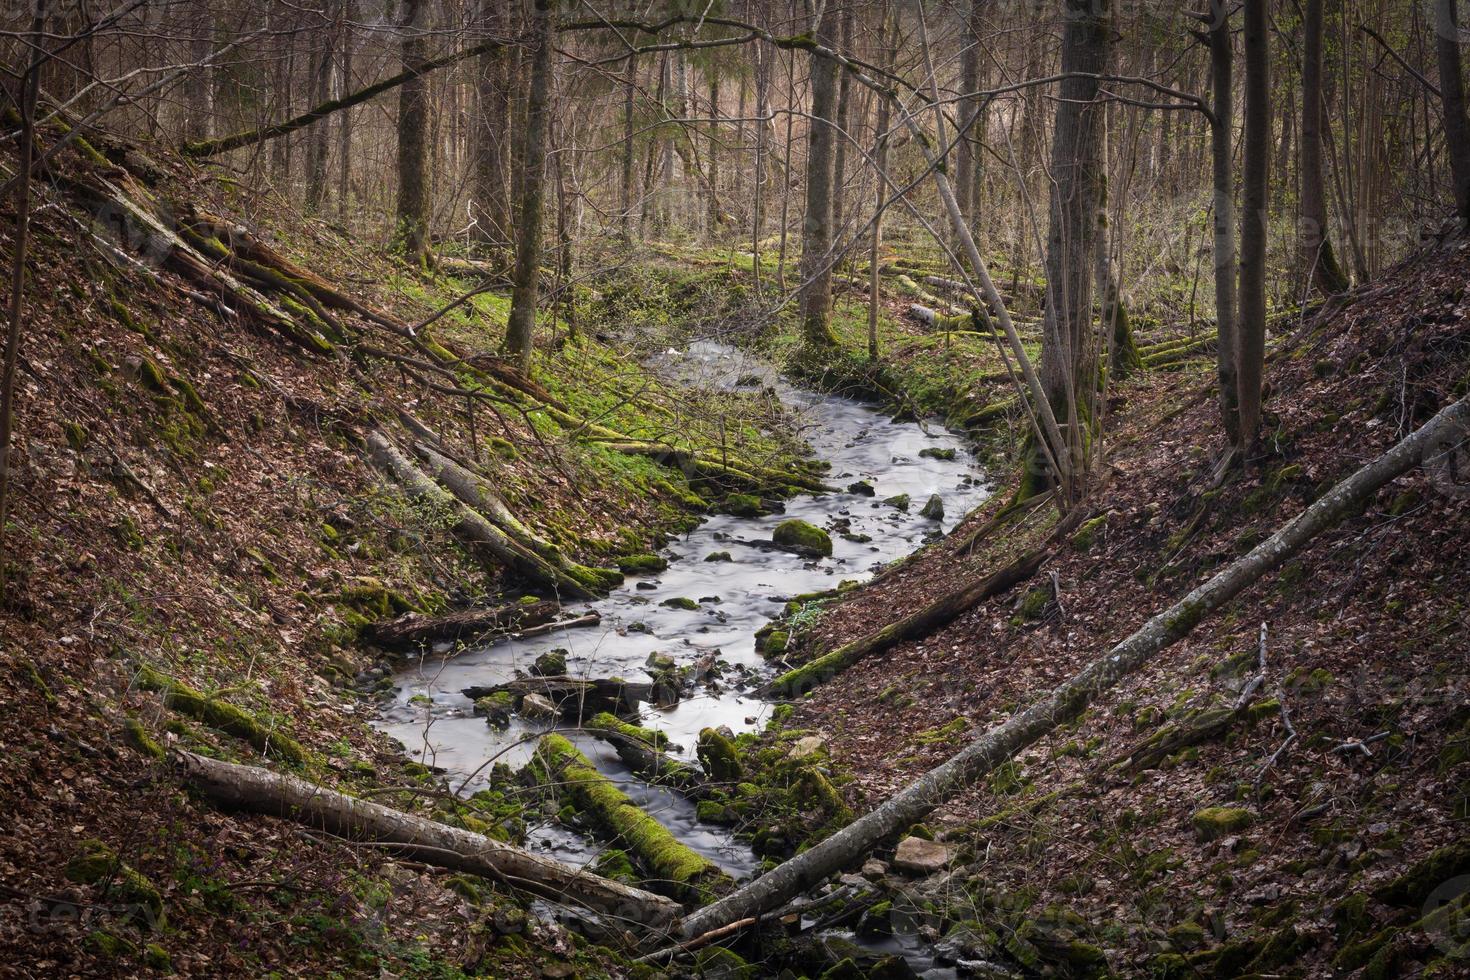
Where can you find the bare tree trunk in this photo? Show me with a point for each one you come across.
(411, 232)
(630, 85)
(712, 213)
(1318, 257)
(1222, 66)
(880, 162)
(1071, 698)
(29, 88)
(520, 327)
(1452, 89)
(843, 132)
(316, 147)
(292, 798)
(344, 140)
(1068, 359)
(1254, 217)
(199, 83)
(490, 209)
(763, 57)
(968, 163)
(816, 226)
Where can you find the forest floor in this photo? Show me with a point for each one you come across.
(191, 499)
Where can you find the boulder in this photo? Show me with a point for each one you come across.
(898, 501)
(862, 488)
(933, 508)
(539, 708)
(552, 663)
(806, 745)
(922, 857)
(802, 538)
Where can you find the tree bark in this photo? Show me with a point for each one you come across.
(842, 132)
(344, 139)
(520, 327)
(316, 147)
(630, 87)
(411, 232)
(1452, 89)
(1318, 257)
(968, 162)
(490, 208)
(816, 225)
(1068, 353)
(712, 210)
(1255, 199)
(1222, 68)
(415, 629)
(418, 838)
(1071, 698)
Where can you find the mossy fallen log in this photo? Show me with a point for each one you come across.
(419, 838)
(576, 698)
(669, 867)
(1181, 352)
(797, 682)
(221, 715)
(474, 491)
(416, 629)
(487, 543)
(642, 750)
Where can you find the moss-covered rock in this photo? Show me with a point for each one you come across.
(680, 602)
(719, 757)
(933, 508)
(95, 863)
(802, 538)
(1414, 886)
(496, 708)
(552, 663)
(935, 452)
(743, 505)
(644, 564)
(718, 556)
(1214, 822)
(899, 501)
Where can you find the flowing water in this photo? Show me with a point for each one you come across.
(433, 718)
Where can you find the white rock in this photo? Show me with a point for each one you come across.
(918, 856)
(536, 706)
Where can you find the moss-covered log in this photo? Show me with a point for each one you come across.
(490, 545)
(642, 750)
(670, 867)
(576, 698)
(416, 629)
(419, 838)
(225, 717)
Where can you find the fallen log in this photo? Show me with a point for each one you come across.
(1071, 698)
(416, 629)
(291, 798)
(944, 610)
(576, 698)
(671, 867)
(642, 751)
(474, 492)
(490, 545)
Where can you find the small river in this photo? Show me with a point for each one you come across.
(432, 717)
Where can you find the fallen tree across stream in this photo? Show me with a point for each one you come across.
(262, 791)
(1444, 433)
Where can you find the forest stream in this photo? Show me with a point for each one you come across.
(433, 718)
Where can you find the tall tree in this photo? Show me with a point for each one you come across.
(525, 295)
(712, 216)
(625, 204)
(1069, 350)
(1250, 357)
(411, 233)
(490, 204)
(344, 138)
(1222, 104)
(843, 116)
(816, 225)
(969, 168)
(1452, 92)
(1318, 257)
(316, 147)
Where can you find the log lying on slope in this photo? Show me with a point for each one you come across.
(474, 492)
(416, 629)
(671, 867)
(419, 838)
(910, 805)
(490, 545)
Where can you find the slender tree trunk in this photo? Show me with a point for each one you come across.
(816, 239)
(490, 208)
(199, 83)
(880, 159)
(316, 147)
(1222, 66)
(1318, 257)
(763, 57)
(630, 86)
(411, 232)
(786, 173)
(968, 162)
(1255, 199)
(520, 327)
(1068, 361)
(712, 213)
(842, 135)
(344, 140)
(29, 88)
(1452, 92)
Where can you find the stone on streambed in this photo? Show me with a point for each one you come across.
(552, 663)
(933, 508)
(934, 452)
(496, 708)
(862, 488)
(718, 556)
(536, 707)
(680, 602)
(922, 857)
(802, 538)
(898, 502)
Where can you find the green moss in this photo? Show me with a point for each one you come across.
(718, 556)
(934, 452)
(641, 564)
(1414, 886)
(671, 865)
(897, 501)
(743, 505)
(1214, 822)
(1086, 535)
(803, 538)
(222, 716)
(776, 643)
(95, 863)
(137, 736)
(155, 957)
(719, 757)
(608, 722)
(1033, 606)
(110, 946)
(680, 602)
(719, 963)
(1187, 936)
